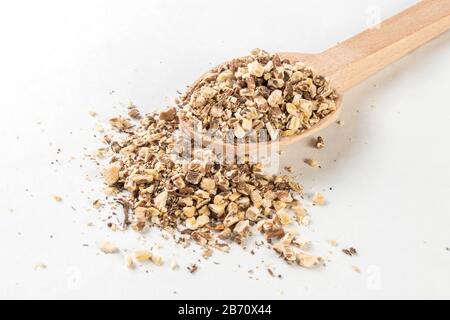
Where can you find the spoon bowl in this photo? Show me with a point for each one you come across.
(222, 146)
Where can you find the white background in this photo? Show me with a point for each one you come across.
(388, 165)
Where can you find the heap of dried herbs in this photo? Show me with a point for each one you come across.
(163, 182)
(258, 93)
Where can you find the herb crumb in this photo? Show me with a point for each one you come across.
(108, 247)
(57, 198)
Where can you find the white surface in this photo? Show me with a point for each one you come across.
(390, 178)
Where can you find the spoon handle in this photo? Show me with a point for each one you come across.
(357, 58)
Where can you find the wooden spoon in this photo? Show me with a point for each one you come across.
(352, 61)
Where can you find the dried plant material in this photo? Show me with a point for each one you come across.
(252, 214)
(101, 153)
(300, 212)
(225, 234)
(202, 220)
(319, 144)
(306, 220)
(333, 243)
(142, 255)
(289, 169)
(284, 217)
(57, 198)
(111, 174)
(308, 261)
(168, 115)
(286, 251)
(318, 199)
(258, 92)
(208, 185)
(279, 205)
(242, 228)
(40, 266)
(207, 253)
(161, 200)
(312, 163)
(189, 212)
(203, 199)
(192, 268)
(350, 252)
(99, 128)
(192, 224)
(108, 247)
(302, 244)
(356, 269)
(97, 204)
(256, 69)
(271, 228)
(129, 263)
(134, 113)
(247, 124)
(120, 123)
(157, 260)
(173, 265)
(287, 239)
(222, 247)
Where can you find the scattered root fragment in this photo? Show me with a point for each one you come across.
(120, 123)
(312, 163)
(129, 263)
(101, 153)
(207, 253)
(333, 243)
(350, 251)
(318, 199)
(108, 247)
(111, 174)
(157, 260)
(134, 113)
(308, 261)
(142, 255)
(289, 169)
(40, 266)
(168, 114)
(192, 268)
(319, 143)
(57, 198)
(97, 204)
(173, 265)
(356, 269)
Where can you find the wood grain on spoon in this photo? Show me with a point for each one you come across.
(354, 60)
(357, 58)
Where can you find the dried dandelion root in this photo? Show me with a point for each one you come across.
(319, 144)
(108, 247)
(308, 261)
(57, 198)
(318, 199)
(203, 200)
(260, 91)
